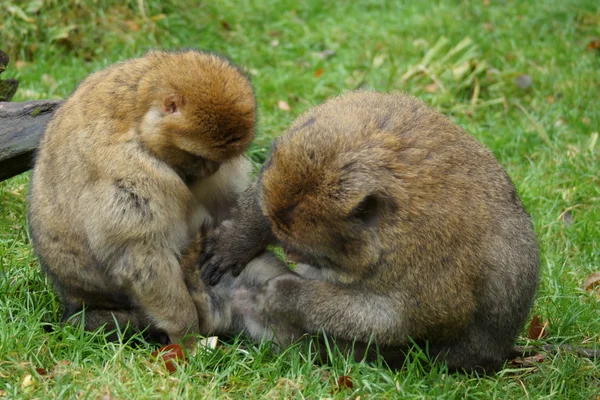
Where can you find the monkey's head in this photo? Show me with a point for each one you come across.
(201, 108)
(331, 189)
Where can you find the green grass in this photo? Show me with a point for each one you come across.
(545, 135)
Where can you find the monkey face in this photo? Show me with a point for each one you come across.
(206, 109)
(327, 199)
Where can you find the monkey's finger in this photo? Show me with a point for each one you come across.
(208, 271)
(204, 258)
(237, 269)
(216, 276)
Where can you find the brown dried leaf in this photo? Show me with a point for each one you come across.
(530, 361)
(170, 354)
(133, 26)
(318, 72)
(537, 330)
(344, 382)
(432, 88)
(593, 45)
(550, 100)
(225, 25)
(283, 105)
(592, 282)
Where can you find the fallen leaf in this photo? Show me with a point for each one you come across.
(550, 99)
(210, 342)
(318, 72)
(432, 88)
(586, 120)
(524, 81)
(537, 331)
(133, 26)
(170, 354)
(560, 122)
(274, 33)
(379, 60)
(344, 382)
(486, 2)
(27, 381)
(591, 282)
(158, 17)
(105, 396)
(225, 25)
(327, 53)
(593, 45)
(488, 26)
(283, 105)
(41, 371)
(530, 361)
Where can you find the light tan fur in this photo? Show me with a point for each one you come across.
(129, 167)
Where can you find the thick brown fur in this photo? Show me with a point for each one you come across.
(129, 167)
(404, 226)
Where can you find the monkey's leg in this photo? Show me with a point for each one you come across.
(345, 312)
(156, 283)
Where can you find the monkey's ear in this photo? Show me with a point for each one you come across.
(366, 210)
(172, 103)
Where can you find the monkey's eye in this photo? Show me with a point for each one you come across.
(366, 210)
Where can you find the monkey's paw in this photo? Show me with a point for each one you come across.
(222, 251)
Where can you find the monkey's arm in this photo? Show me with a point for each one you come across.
(238, 240)
(136, 231)
(346, 312)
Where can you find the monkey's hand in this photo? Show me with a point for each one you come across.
(237, 240)
(225, 249)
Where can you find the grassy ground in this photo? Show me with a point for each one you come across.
(517, 75)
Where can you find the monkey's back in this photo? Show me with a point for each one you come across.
(88, 145)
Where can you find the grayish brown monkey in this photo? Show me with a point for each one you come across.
(404, 226)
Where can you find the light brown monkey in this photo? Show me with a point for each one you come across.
(129, 167)
(404, 226)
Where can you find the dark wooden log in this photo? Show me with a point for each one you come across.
(21, 126)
